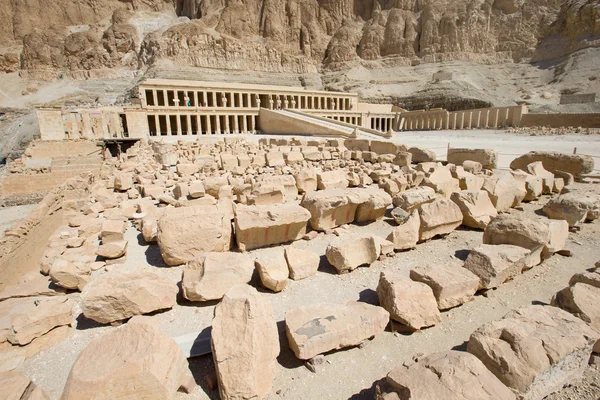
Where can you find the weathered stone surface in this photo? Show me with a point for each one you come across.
(581, 300)
(486, 157)
(331, 208)
(245, 344)
(406, 235)
(40, 286)
(534, 350)
(272, 268)
(495, 264)
(537, 169)
(301, 263)
(122, 293)
(420, 155)
(335, 179)
(113, 230)
(286, 181)
(517, 230)
(575, 164)
(574, 207)
(260, 226)
(113, 249)
(69, 275)
(408, 302)
(36, 321)
(136, 360)
(373, 207)
(476, 207)
(346, 253)
(196, 189)
(264, 193)
(14, 386)
(318, 328)
(442, 181)
(452, 285)
(186, 231)
(439, 217)
(306, 180)
(449, 375)
(589, 278)
(413, 198)
(558, 233)
(502, 189)
(210, 275)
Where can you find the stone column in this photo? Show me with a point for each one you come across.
(257, 101)
(224, 100)
(218, 123)
(214, 99)
(157, 124)
(208, 127)
(176, 102)
(155, 97)
(204, 99)
(168, 118)
(196, 98)
(198, 124)
(236, 124)
(189, 124)
(294, 102)
(166, 98)
(253, 124)
(478, 120)
(271, 102)
(285, 102)
(178, 123)
(227, 124)
(245, 124)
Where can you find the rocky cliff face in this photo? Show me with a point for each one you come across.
(295, 36)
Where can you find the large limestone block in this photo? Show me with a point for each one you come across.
(486, 157)
(442, 181)
(467, 180)
(589, 278)
(413, 198)
(335, 179)
(318, 328)
(301, 263)
(537, 169)
(439, 217)
(408, 302)
(134, 361)
(272, 268)
(37, 321)
(306, 180)
(210, 275)
(113, 230)
(286, 181)
(583, 301)
(575, 164)
(517, 230)
(346, 254)
(502, 189)
(374, 207)
(476, 207)
(452, 285)
(14, 386)
(534, 350)
(40, 286)
(448, 375)
(558, 233)
(406, 235)
(260, 226)
(69, 275)
(574, 207)
(495, 264)
(420, 155)
(264, 193)
(275, 159)
(331, 208)
(245, 344)
(386, 147)
(187, 231)
(122, 293)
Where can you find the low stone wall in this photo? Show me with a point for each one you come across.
(561, 120)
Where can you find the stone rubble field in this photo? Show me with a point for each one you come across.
(304, 268)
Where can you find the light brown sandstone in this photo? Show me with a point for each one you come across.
(406, 235)
(476, 207)
(245, 344)
(517, 230)
(495, 264)
(210, 275)
(272, 268)
(136, 360)
(14, 386)
(37, 321)
(260, 226)
(69, 275)
(301, 263)
(413, 198)
(408, 302)
(346, 254)
(502, 188)
(123, 293)
(439, 217)
(575, 207)
(318, 328)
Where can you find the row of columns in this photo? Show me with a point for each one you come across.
(473, 119)
(209, 123)
(346, 119)
(382, 124)
(197, 99)
(84, 125)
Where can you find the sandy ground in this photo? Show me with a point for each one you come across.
(11, 215)
(350, 373)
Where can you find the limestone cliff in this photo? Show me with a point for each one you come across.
(294, 36)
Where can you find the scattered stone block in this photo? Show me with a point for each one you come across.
(534, 350)
(373, 207)
(537, 169)
(452, 285)
(260, 226)
(406, 235)
(335, 179)
(476, 207)
(502, 188)
(135, 360)
(408, 302)
(37, 321)
(486, 157)
(495, 264)
(574, 207)
(113, 230)
(589, 278)
(272, 268)
(306, 180)
(318, 328)
(123, 293)
(113, 249)
(14, 386)
(346, 254)
(439, 217)
(210, 275)
(69, 275)
(420, 155)
(331, 208)
(447, 375)
(301, 263)
(517, 230)
(413, 198)
(245, 344)
(196, 189)
(575, 164)
(187, 231)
